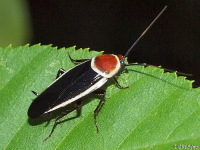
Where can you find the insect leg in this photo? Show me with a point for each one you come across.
(57, 121)
(60, 72)
(125, 70)
(102, 93)
(118, 85)
(77, 61)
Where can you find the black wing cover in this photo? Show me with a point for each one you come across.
(71, 84)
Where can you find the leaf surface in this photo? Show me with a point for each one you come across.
(158, 111)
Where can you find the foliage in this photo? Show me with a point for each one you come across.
(158, 111)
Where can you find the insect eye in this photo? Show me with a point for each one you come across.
(122, 62)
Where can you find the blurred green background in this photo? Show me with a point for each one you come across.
(15, 24)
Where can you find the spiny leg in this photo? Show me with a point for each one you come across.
(102, 93)
(60, 72)
(77, 61)
(57, 121)
(125, 70)
(118, 85)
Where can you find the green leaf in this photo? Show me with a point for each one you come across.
(158, 111)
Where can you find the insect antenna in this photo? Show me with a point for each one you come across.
(139, 38)
(165, 69)
(143, 33)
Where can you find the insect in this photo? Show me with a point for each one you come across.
(85, 78)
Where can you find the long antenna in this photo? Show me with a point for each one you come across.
(129, 50)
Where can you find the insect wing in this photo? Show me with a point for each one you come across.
(72, 85)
